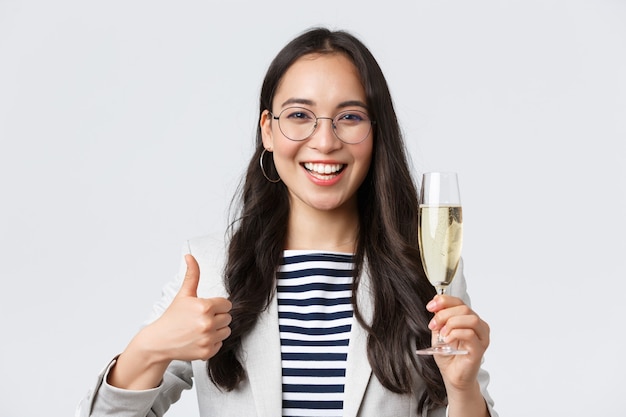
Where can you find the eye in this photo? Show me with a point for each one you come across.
(298, 114)
(352, 117)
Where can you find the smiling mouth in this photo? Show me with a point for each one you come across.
(323, 171)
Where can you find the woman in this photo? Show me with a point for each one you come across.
(321, 300)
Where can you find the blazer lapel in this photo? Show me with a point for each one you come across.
(261, 354)
(358, 369)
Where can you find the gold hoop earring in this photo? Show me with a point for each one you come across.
(263, 169)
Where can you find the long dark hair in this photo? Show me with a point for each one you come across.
(387, 239)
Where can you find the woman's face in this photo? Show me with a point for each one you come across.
(321, 172)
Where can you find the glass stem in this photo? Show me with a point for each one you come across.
(441, 290)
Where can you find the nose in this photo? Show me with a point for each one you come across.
(324, 138)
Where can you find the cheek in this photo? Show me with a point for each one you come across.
(364, 156)
(284, 153)
(365, 164)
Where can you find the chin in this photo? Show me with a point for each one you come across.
(328, 206)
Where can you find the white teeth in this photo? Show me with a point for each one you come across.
(323, 168)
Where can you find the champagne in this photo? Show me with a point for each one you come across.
(440, 231)
(440, 235)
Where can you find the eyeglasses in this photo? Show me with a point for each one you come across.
(298, 124)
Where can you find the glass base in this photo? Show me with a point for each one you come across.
(445, 350)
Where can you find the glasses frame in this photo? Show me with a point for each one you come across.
(332, 122)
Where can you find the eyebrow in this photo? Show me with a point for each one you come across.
(307, 102)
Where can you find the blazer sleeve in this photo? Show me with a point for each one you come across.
(458, 288)
(107, 400)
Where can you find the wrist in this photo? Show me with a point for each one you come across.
(466, 402)
(146, 347)
(139, 367)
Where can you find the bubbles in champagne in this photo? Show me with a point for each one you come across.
(440, 239)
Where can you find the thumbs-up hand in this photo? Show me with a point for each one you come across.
(191, 328)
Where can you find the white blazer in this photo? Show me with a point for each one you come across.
(260, 395)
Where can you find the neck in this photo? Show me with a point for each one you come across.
(332, 230)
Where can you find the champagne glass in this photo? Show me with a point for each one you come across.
(440, 234)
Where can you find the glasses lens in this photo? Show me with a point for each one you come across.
(352, 126)
(296, 123)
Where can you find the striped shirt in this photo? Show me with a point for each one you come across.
(314, 317)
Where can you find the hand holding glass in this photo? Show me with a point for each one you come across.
(440, 234)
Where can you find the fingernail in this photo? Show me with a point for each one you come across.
(432, 325)
(431, 305)
(443, 333)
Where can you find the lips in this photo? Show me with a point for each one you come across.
(323, 171)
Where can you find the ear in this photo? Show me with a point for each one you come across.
(266, 130)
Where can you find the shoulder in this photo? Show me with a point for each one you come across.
(207, 245)
(210, 252)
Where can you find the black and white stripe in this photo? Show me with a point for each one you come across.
(315, 318)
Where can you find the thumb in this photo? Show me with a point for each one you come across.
(192, 277)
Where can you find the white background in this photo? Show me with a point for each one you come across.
(125, 127)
